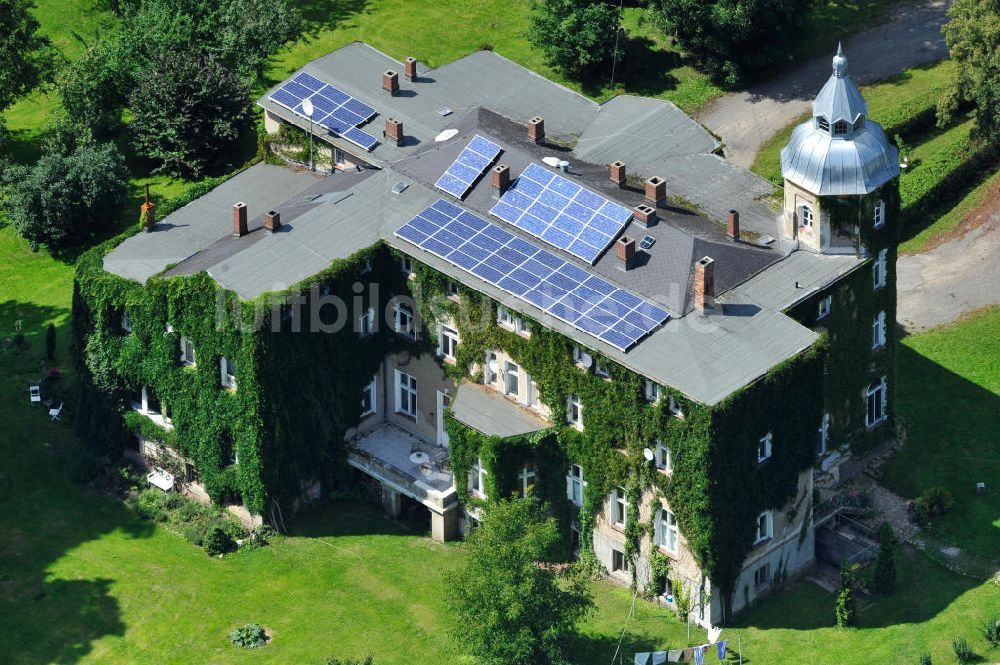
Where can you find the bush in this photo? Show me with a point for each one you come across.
(219, 542)
(990, 628)
(935, 501)
(250, 636)
(189, 511)
(845, 609)
(150, 505)
(925, 659)
(963, 652)
(350, 661)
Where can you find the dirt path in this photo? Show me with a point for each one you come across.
(910, 36)
(958, 274)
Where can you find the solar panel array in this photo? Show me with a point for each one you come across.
(562, 213)
(468, 166)
(332, 108)
(534, 275)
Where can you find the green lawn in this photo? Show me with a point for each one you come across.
(949, 221)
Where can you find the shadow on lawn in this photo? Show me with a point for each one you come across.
(43, 517)
(343, 517)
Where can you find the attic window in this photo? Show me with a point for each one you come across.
(647, 242)
(823, 123)
(400, 187)
(840, 127)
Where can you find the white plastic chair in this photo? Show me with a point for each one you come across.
(35, 392)
(54, 413)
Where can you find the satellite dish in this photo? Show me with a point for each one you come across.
(552, 161)
(586, 360)
(648, 454)
(564, 166)
(307, 107)
(445, 135)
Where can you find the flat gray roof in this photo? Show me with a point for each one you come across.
(797, 277)
(488, 412)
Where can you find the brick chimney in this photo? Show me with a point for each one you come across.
(625, 252)
(536, 130)
(733, 225)
(618, 173)
(500, 179)
(239, 219)
(390, 82)
(656, 191)
(394, 131)
(147, 213)
(410, 70)
(272, 220)
(645, 216)
(704, 284)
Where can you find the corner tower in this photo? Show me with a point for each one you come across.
(838, 167)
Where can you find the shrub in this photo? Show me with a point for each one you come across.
(935, 501)
(990, 628)
(219, 542)
(250, 636)
(350, 661)
(885, 566)
(150, 505)
(189, 511)
(963, 652)
(845, 609)
(925, 659)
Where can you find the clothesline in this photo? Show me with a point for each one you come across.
(688, 655)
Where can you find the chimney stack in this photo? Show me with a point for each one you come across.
(500, 179)
(656, 191)
(390, 82)
(536, 130)
(410, 70)
(733, 226)
(147, 213)
(645, 216)
(272, 220)
(625, 252)
(239, 220)
(704, 284)
(394, 131)
(618, 173)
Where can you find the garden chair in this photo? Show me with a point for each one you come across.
(54, 413)
(35, 393)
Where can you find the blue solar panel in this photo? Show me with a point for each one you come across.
(534, 275)
(334, 109)
(562, 213)
(469, 165)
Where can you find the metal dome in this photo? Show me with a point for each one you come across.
(839, 152)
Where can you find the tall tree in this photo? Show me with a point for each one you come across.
(509, 604)
(25, 56)
(973, 36)
(732, 37)
(576, 36)
(188, 109)
(885, 565)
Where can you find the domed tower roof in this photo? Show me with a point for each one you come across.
(839, 152)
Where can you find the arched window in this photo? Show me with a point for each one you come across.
(840, 127)
(823, 123)
(805, 216)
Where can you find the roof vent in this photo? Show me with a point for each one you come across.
(400, 187)
(445, 111)
(764, 241)
(647, 242)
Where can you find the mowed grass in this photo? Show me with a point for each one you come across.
(949, 222)
(949, 396)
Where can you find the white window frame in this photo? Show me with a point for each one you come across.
(806, 215)
(878, 331)
(366, 323)
(126, 321)
(575, 484)
(527, 480)
(601, 368)
(664, 457)
(880, 392)
(762, 577)
(534, 399)
(824, 434)
(879, 214)
(825, 307)
(619, 507)
(653, 392)
(765, 447)
(616, 556)
(511, 379)
(403, 320)
(667, 536)
(371, 392)
(477, 479)
(574, 411)
(448, 340)
(406, 265)
(581, 358)
(406, 405)
(227, 372)
(451, 289)
(521, 327)
(880, 269)
(768, 522)
(506, 318)
(191, 360)
(574, 534)
(674, 407)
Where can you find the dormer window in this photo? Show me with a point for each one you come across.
(823, 123)
(840, 128)
(859, 123)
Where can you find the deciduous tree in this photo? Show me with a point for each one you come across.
(973, 36)
(25, 56)
(578, 37)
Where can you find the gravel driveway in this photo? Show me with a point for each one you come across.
(910, 36)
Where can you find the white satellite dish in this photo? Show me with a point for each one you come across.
(564, 166)
(307, 107)
(445, 135)
(648, 454)
(552, 161)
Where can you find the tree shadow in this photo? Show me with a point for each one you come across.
(354, 517)
(645, 68)
(320, 15)
(51, 615)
